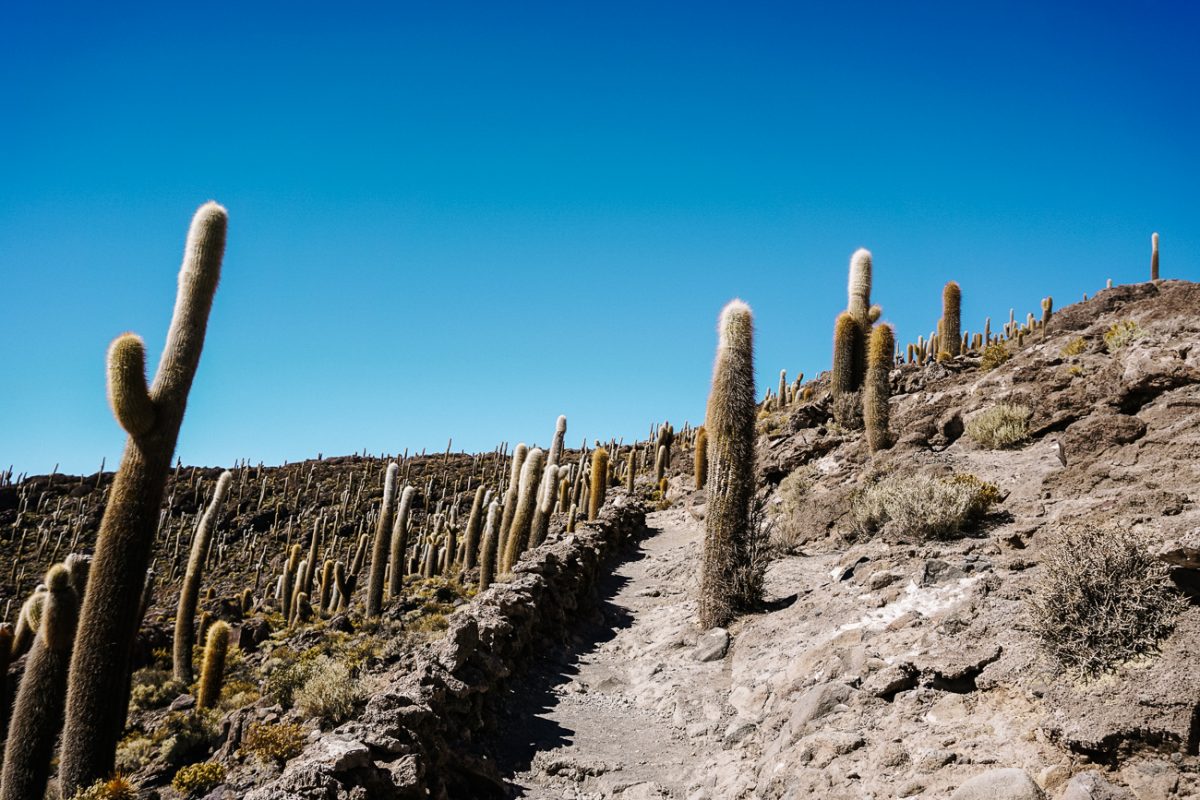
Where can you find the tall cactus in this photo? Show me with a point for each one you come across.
(212, 673)
(701, 460)
(1154, 256)
(729, 424)
(858, 289)
(846, 335)
(100, 662)
(520, 452)
(951, 320)
(474, 526)
(877, 389)
(556, 447)
(518, 533)
(487, 551)
(1047, 312)
(383, 538)
(37, 713)
(399, 542)
(185, 614)
(599, 481)
(544, 508)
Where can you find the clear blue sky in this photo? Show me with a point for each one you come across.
(461, 220)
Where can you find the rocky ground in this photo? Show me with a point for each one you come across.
(893, 667)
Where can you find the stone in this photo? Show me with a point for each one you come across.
(712, 645)
(1000, 784)
(1091, 785)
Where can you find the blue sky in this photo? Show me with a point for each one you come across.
(461, 220)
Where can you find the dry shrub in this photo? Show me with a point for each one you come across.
(116, 788)
(198, 779)
(274, 742)
(1075, 347)
(1101, 599)
(1001, 426)
(331, 693)
(993, 356)
(921, 506)
(1122, 333)
(789, 529)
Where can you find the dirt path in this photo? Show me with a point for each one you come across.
(587, 724)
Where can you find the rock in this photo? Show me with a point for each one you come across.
(252, 633)
(890, 680)
(1091, 785)
(818, 702)
(183, 702)
(935, 571)
(1000, 784)
(712, 645)
(338, 754)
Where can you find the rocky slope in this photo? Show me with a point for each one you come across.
(889, 666)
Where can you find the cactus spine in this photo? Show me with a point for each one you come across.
(212, 673)
(185, 614)
(1154, 256)
(701, 460)
(100, 666)
(729, 423)
(383, 535)
(951, 319)
(877, 389)
(599, 481)
(37, 712)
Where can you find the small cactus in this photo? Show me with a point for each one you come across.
(877, 389)
(185, 613)
(212, 673)
(599, 482)
(1154, 256)
(951, 319)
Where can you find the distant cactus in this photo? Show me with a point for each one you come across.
(631, 470)
(544, 508)
(212, 673)
(38, 711)
(556, 447)
(325, 594)
(877, 389)
(783, 388)
(487, 551)
(599, 482)
(289, 579)
(701, 458)
(100, 668)
(342, 584)
(1154, 256)
(185, 613)
(28, 621)
(729, 424)
(383, 538)
(951, 319)
(846, 335)
(1047, 311)
(518, 533)
(474, 526)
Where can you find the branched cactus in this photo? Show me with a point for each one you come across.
(383, 536)
(951, 333)
(701, 460)
(185, 614)
(877, 389)
(100, 668)
(599, 481)
(729, 424)
(37, 713)
(212, 673)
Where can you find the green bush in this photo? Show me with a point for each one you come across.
(197, 779)
(919, 506)
(1101, 599)
(1001, 426)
